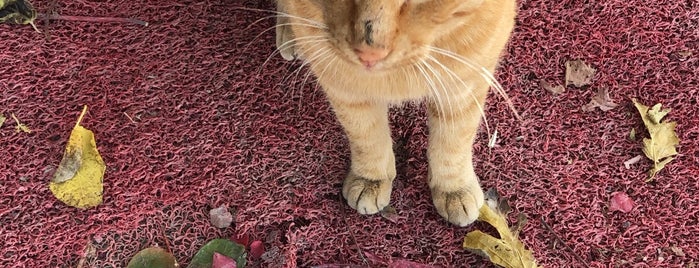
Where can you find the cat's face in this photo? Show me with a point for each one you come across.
(374, 35)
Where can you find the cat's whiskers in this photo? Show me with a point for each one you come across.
(303, 40)
(447, 94)
(483, 72)
(280, 14)
(314, 54)
(431, 86)
(465, 87)
(306, 39)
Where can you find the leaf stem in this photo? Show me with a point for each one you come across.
(80, 119)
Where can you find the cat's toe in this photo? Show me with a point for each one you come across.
(459, 207)
(365, 195)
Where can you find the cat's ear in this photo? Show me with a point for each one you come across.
(285, 36)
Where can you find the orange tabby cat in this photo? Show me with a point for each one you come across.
(369, 54)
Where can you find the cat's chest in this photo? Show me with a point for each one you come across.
(398, 85)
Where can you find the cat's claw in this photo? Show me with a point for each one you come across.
(366, 196)
(459, 207)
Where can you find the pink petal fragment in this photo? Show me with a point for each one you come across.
(256, 249)
(621, 202)
(223, 261)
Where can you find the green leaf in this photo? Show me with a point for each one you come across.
(153, 257)
(205, 256)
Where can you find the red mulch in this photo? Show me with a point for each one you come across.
(212, 127)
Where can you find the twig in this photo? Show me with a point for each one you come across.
(167, 243)
(90, 19)
(546, 225)
(354, 239)
(127, 115)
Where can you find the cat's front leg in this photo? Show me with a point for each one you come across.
(456, 192)
(368, 184)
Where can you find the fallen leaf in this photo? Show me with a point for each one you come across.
(578, 73)
(684, 55)
(221, 217)
(507, 251)
(632, 161)
(495, 201)
(20, 127)
(390, 213)
(621, 202)
(663, 140)
(205, 255)
(257, 249)
(677, 251)
(153, 257)
(77, 181)
(551, 88)
(2, 120)
(601, 100)
(223, 261)
(17, 11)
(632, 134)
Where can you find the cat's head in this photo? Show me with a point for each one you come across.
(375, 34)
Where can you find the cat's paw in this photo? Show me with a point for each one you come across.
(459, 207)
(366, 196)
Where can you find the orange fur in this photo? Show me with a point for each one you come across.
(368, 54)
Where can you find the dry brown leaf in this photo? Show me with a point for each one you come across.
(601, 100)
(390, 213)
(663, 140)
(578, 73)
(558, 89)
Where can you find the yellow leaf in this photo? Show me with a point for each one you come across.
(663, 140)
(507, 251)
(2, 120)
(20, 127)
(78, 179)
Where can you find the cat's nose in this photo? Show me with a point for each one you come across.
(370, 55)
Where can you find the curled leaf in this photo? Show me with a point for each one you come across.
(78, 179)
(390, 213)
